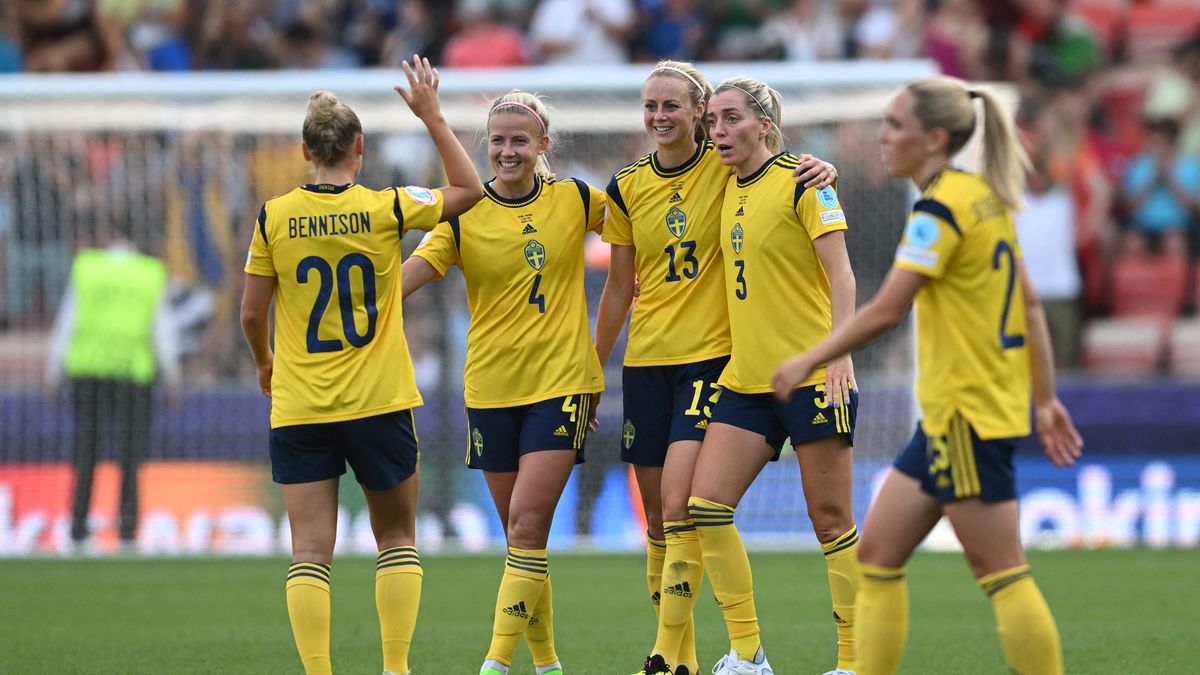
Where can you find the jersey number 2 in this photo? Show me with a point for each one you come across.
(345, 300)
(1004, 250)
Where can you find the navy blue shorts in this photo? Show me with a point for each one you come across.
(382, 449)
(499, 436)
(806, 417)
(959, 465)
(664, 404)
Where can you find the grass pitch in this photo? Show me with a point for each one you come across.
(1118, 611)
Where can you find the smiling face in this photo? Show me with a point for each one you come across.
(904, 145)
(668, 112)
(515, 141)
(738, 132)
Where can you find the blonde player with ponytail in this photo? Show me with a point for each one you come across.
(531, 371)
(664, 230)
(982, 348)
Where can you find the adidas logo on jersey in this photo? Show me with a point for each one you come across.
(529, 229)
(683, 590)
(675, 198)
(740, 212)
(517, 610)
(820, 419)
(561, 430)
(702, 424)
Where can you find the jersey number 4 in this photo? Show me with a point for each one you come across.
(345, 300)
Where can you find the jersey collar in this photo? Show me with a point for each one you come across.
(674, 171)
(519, 201)
(758, 173)
(327, 188)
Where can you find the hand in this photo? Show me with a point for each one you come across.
(1060, 440)
(789, 375)
(637, 289)
(839, 380)
(264, 377)
(594, 424)
(814, 172)
(421, 95)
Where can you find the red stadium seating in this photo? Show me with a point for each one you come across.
(1124, 346)
(1106, 18)
(1149, 285)
(1185, 348)
(1153, 28)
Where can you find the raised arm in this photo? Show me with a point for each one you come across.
(1060, 440)
(614, 301)
(415, 273)
(464, 187)
(256, 305)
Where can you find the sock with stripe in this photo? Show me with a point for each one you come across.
(728, 568)
(656, 553)
(841, 557)
(308, 608)
(525, 573)
(881, 624)
(398, 577)
(539, 635)
(1028, 634)
(683, 574)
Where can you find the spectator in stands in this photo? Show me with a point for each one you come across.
(956, 37)
(309, 47)
(674, 29)
(1161, 192)
(235, 36)
(67, 36)
(1050, 46)
(736, 24)
(583, 31)
(1176, 94)
(805, 31)
(893, 32)
(112, 338)
(420, 28)
(157, 33)
(11, 60)
(483, 41)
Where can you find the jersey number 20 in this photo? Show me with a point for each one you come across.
(345, 300)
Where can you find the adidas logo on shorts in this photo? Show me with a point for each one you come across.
(517, 610)
(561, 430)
(820, 419)
(529, 229)
(702, 424)
(683, 590)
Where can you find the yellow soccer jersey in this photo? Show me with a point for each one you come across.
(775, 285)
(971, 355)
(522, 259)
(340, 352)
(672, 219)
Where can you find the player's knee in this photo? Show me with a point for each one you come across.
(675, 506)
(528, 528)
(830, 521)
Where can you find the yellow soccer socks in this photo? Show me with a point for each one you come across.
(684, 571)
(307, 591)
(539, 634)
(398, 577)
(1028, 634)
(841, 557)
(525, 573)
(881, 619)
(728, 568)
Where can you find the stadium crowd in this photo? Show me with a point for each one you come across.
(1109, 89)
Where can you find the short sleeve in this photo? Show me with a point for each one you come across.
(597, 210)
(418, 208)
(929, 241)
(618, 230)
(440, 247)
(258, 259)
(820, 211)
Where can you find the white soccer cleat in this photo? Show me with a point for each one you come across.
(730, 664)
(841, 671)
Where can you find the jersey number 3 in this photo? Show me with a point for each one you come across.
(345, 300)
(1004, 250)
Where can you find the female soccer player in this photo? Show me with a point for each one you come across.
(337, 243)
(664, 229)
(531, 370)
(787, 280)
(982, 343)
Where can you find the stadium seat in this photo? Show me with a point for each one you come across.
(1105, 17)
(1124, 346)
(1153, 28)
(1149, 285)
(1184, 348)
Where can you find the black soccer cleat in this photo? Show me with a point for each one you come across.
(682, 670)
(655, 665)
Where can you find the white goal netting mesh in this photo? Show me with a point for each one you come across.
(182, 165)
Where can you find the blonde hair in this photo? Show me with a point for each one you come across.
(330, 128)
(523, 102)
(764, 101)
(946, 103)
(699, 88)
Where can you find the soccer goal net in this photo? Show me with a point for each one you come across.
(180, 166)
